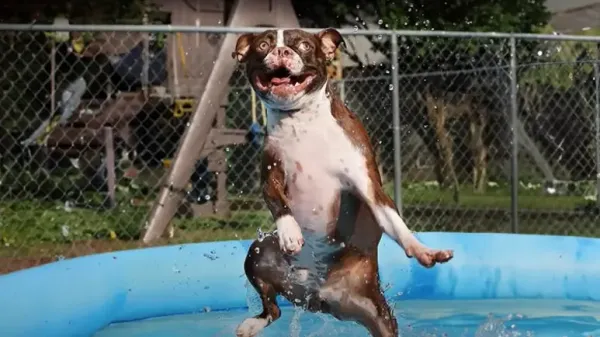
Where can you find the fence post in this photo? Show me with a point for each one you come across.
(396, 124)
(514, 119)
(146, 57)
(597, 118)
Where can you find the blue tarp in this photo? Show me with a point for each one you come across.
(129, 66)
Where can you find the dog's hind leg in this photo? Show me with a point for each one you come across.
(352, 292)
(267, 269)
(271, 312)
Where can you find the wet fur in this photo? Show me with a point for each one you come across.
(322, 185)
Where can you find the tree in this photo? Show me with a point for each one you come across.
(78, 11)
(473, 66)
(523, 16)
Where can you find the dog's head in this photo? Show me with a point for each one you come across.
(283, 66)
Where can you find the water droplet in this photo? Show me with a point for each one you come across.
(253, 300)
(260, 234)
(390, 87)
(212, 256)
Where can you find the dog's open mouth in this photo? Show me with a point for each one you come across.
(281, 82)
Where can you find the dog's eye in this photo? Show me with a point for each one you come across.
(263, 45)
(304, 46)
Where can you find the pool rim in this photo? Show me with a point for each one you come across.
(79, 296)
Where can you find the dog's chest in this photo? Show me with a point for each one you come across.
(315, 152)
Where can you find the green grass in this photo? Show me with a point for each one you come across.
(30, 226)
(494, 197)
(33, 227)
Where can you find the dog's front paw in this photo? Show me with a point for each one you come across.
(251, 327)
(428, 257)
(290, 235)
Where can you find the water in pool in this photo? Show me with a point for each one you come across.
(480, 318)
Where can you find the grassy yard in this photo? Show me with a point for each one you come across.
(494, 197)
(50, 230)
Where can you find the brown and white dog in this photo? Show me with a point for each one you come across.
(323, 188)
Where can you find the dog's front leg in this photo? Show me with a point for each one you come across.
(367, 185)
(273, 178)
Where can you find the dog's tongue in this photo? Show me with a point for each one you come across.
(280, 80)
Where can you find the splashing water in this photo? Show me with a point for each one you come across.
(260, 234)
(448, 318)
(295, 326)
(493, 327)
(252, 300)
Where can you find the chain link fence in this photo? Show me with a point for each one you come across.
(91, 120)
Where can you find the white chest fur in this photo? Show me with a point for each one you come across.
(317, 157)
(316, 153)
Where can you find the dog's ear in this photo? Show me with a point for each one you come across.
(330, 41)
(242, 47)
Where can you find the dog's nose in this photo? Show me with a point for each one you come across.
(283, 51)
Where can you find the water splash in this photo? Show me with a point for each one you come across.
(260, 234)
(253, 300)
(494, 327)
(295, 326)
(212, 256)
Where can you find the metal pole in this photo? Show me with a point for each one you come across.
(514, 119)
(53, 78)
(396, 125)
(145, 57)
(256, 29)
(597, 118)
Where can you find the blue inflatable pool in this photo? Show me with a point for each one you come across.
(115, 294)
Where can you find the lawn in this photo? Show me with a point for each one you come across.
(495, 197)
(51, 230)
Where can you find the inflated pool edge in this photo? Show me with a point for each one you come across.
(77, 297)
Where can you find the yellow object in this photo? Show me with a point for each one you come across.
(253, 107)
(41, 140)
(78, 44)
(113, 235)
(182, 106)
(182, 54)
